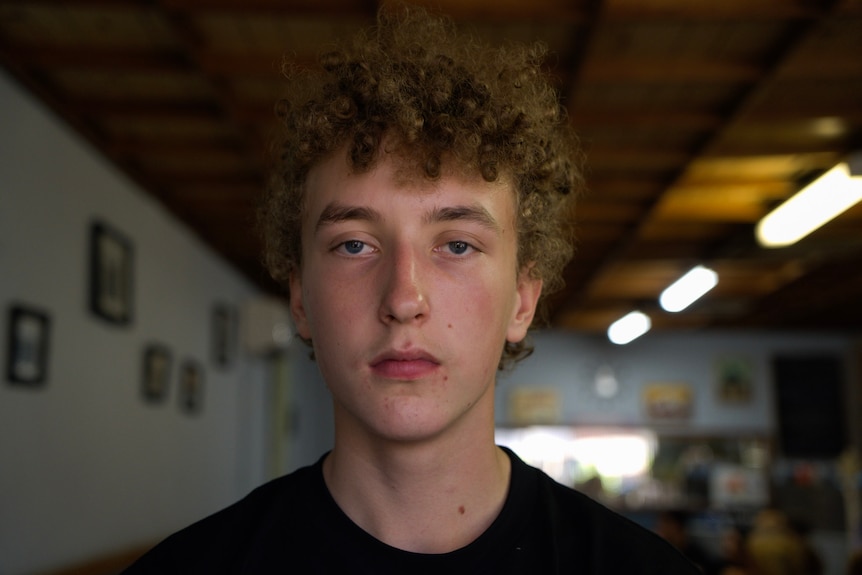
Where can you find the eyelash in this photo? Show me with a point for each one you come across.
(344, 247)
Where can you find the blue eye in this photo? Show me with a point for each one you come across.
(458, 247)
(353, 247)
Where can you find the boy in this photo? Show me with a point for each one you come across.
(415, 218)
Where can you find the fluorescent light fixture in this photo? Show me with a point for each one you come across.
(817, 203)
(687, 289)
(629, 327)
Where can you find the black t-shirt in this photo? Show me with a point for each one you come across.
(292, 525)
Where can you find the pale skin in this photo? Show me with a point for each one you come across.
(408, 290)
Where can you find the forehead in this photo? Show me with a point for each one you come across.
(393, 173)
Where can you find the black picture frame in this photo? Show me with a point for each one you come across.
(156, 366)
(111, 271)
(29, 335)
(810, 395)
(191, 387)
(223, 333)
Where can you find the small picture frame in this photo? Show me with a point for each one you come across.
(27, 354)
(224, 327)
(191, 387)
(110, 274)
(155, 373)
(668, 401)
(734, 380)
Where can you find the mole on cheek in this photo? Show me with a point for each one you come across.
(461, 509)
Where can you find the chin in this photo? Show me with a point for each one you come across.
(416, 428)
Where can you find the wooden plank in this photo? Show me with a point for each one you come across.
(108, 564)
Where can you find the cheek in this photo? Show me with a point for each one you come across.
(483, 309)
(331, 306)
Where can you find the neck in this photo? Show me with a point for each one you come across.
(432, 497)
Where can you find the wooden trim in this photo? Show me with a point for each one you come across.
(108, 564)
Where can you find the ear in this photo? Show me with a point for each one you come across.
(297, 308)
(527, 298)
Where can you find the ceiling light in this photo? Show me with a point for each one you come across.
(687, 289)
(814, 205)
(629, 327)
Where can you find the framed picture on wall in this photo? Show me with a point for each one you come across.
(27, 352)
(811, 405)
(155, 373)
(534, 405)
(191, 387)
(734, 380)
(110, 274)
(668, 401)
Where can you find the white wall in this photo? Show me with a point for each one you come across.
(87, 467)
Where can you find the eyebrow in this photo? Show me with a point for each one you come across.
(472, 213)
(336, 212)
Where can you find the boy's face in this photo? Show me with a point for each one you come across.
(409, 290)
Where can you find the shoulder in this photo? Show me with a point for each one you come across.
(257, 509)
(220, 542)
(598, 539)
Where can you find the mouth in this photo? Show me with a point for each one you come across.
(404, 366)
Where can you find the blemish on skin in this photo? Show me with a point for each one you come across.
(461, 509)
(450, 326)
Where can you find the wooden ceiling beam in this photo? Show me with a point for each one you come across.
(626, 70)
(585, 118)
(591, 117)
(768, 10)
(330, 8)
(118, 109)
(95, 58)
(722, 188)
(133, 59)
(254, 65)
(182, 22)
(635, 158)
(808, 301)
(709, 210)
(802, 110)
(187, 148)
(241, 179)
(226, 191)
(597, 212)
(112, 4)
(778, 146)
(488, 11)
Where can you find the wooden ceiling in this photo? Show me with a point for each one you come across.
(698, 118)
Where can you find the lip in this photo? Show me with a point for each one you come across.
(404, 366)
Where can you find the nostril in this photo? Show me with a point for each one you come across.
(403, 298)
(403, 304)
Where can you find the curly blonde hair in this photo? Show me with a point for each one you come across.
(441, 96)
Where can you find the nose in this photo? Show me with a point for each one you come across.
(403, 298)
